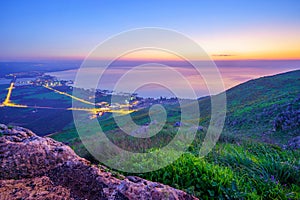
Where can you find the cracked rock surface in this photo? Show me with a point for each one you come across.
(33, 167)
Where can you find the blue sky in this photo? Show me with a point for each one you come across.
(61, 28)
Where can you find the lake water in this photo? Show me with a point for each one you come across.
(4, 81)
(232, 72)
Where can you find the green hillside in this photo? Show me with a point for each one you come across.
(254, 158)
(255, 109)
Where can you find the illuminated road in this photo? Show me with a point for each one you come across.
(7, 102)
(99, 110)
(7, 99)
(68, 95)
(94, 111)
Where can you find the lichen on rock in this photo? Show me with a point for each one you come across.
(33, 167)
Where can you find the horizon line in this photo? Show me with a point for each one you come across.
(140, 60)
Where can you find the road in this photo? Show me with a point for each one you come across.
(94, 111)
(7, 101)
(68, 95)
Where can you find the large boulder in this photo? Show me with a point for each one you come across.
(33, 167)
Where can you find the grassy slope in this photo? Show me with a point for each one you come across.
(252, 108)
(243, 164)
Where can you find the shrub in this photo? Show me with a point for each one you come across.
(197, 177)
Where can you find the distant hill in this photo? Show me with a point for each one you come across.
(43, 66)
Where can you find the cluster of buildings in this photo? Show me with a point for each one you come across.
(51, 81)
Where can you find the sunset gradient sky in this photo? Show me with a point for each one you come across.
(225, 29)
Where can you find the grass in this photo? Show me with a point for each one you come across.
(237, 169)
(248, 162)
(230, 172)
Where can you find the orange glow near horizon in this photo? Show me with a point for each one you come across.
(244, 45)
(292, 55)
(255, 44)
(151, 55)
(159, 55)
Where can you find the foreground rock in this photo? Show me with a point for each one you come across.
(34, 188)
(33, 167)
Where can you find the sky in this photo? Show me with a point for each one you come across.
(224, 29)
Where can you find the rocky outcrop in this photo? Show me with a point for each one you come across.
(38, 188)
(33, 167)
